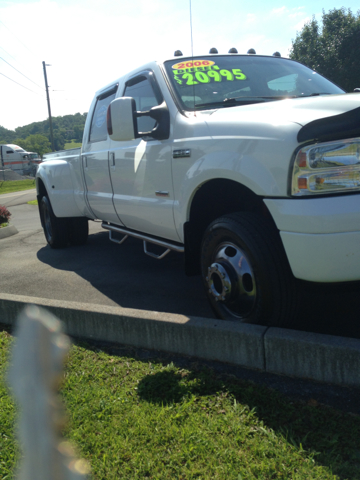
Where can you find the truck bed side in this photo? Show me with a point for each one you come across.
(60, 177)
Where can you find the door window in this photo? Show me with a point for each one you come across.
(141, 91)
(98, 130)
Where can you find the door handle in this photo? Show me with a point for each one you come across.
(85, 161)
(112, 159)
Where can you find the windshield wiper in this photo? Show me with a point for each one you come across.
(315, 94)
(230, 102)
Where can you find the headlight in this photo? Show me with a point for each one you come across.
(326, 168)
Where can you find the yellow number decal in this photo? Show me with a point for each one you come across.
(238, 74)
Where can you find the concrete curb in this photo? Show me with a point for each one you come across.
(313, 356)
(8, 231)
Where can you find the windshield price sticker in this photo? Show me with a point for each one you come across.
(204, 71)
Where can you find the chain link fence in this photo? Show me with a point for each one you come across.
(6, 174)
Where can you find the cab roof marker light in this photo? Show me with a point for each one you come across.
(178, 53)
(213, 50)
(251, 51)
(276, 54)
(233, 50)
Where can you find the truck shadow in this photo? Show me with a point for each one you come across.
(131, 279)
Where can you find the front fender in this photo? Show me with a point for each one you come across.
(264, 172)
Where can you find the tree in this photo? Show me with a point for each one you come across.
(38, 143)
(63, 129)
(59, 140)
(333, 49)
(78, 132)
(34, 143)
(20, 142)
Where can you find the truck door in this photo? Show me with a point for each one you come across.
(140, 169)
(95, 161)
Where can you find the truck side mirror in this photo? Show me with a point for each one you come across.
(162, 116)
(121, 119)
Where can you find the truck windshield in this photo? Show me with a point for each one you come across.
(224, 81)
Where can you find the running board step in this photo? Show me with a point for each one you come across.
(145, 238)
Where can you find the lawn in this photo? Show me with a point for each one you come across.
(141, 417)
(72, 144)
(16, 185)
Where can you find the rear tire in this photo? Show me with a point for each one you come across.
(246, 273)
(56, 229)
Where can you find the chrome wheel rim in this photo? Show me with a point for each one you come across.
(231, 281)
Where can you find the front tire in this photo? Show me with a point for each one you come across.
(56, 229)
(245, 271)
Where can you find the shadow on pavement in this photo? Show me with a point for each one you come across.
(132, 279)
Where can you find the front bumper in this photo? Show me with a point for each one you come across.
(321, 236)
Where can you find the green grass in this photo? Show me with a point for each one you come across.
(72, 144)
(146, 419)
(16, 185)
(33, 202)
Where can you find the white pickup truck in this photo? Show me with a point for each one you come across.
(249, 165)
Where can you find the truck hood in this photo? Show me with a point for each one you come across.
(324, 116)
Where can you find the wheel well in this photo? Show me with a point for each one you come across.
(41, 189)
(212, 200)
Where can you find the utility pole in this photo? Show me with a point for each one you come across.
(48, 102)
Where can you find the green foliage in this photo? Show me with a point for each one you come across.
(16, 185)
(34, 143)
(333, 49)
(8, 446)
(64, 128)
(78, 132)
(134, 418)
(72, 144)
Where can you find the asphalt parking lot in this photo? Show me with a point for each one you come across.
(100, 272)
(104, 273)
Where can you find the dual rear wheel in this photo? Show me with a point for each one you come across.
(59, 232)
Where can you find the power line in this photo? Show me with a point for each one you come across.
(18, 39)
(21, 85)
(2, 48)
(21, 73)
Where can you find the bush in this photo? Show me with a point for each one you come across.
(4, 215)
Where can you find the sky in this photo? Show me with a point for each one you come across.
(89, 43)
